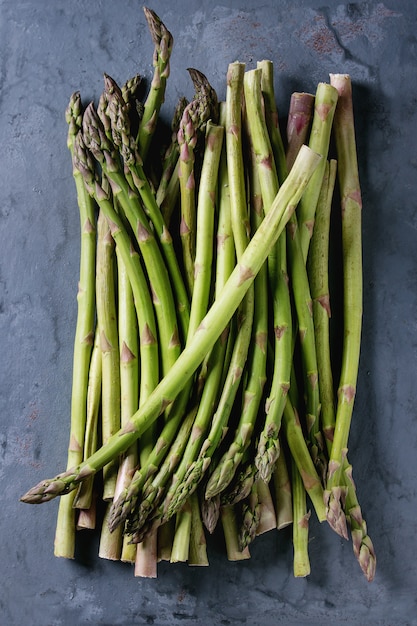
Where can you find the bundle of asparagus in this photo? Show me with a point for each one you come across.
(203, 372)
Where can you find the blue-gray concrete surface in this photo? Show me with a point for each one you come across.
(50, 48)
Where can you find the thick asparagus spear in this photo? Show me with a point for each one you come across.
(209, 330)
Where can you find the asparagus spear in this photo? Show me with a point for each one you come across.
(129, 387)
(209, 330)
(340, 488)
(109, 345)
(351, 205)
(163, 42)
(84, 498)
(298, 124)
(318, 268)
(193, 121)
(168, 188)
(84, 335)
(301, 565)
(324, 109)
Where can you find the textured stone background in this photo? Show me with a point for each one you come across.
(48, 50)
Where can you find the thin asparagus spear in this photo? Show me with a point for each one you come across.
(84, 498)
(235, 164)
(213, 324)
(129, 387)
(318, 264)
(303, 460)
(109, 345)
(242, 483)
(351, 205)
(193, 121)
(324, 108)
(84, 335)
(352, 273)
(301, 562)
(272, 118)
(298, 124)
(363, 548)
(163, 42)
(169, 176)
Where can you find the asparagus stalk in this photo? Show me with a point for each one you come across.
(163, 42)
(318, 267)
(298, 124)
(193, 121)
(303, 460)
(202, 341)
(84, 497)
(129, 388)
(324, 109)
(165, 197)
(109, 345)
(271, 117)
(301, 564)
(352, 273)
(219, 361)
(352, 287)
(84, 335)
